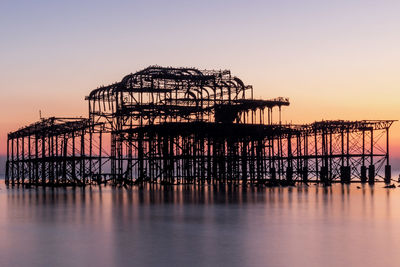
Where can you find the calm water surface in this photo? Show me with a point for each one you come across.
(299, 226)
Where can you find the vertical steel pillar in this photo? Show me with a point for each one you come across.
(83, 159)
(23, 160)
(363, 167)
(8, 162)
(13, 162)
(99, 178)
(330, 156)
(18, 161)
(90, 174)
(73, 159)
(43, 174)
(316, 154)
(36, 159)
(65, 155)
(305, 161)
(141, 157)
(371, 170)
(51, 160)
(244, 161)
(388, 168)
(289, 168)
(57, 156)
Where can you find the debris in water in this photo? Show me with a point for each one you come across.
(390, 186)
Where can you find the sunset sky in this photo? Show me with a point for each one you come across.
(333, 59)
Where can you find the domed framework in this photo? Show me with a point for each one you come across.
(156, 95)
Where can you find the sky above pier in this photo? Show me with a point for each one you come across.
(333, 59)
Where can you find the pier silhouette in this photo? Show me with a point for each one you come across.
(165, 125)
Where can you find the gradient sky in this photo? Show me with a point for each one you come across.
(333, 59)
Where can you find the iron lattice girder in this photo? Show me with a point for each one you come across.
(209, 129)
(338, 126)
(257, 130)
(52, 127)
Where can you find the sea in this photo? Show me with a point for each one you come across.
(340, 225)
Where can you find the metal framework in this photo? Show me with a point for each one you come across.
(190, 126)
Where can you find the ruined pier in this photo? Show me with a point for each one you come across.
(189, 126)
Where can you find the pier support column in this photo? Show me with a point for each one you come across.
(273, 173)
(324, 174)
(371, 174)
(289, 174)
(388, 174)
(305, 174)
(363, 174)
(371, 169)
(8, 161)
(388, 168)
(345, 174)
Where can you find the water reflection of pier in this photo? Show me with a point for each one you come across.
(180, 195)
